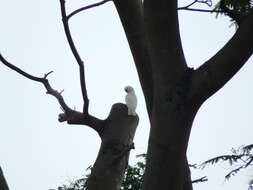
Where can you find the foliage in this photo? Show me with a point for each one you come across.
(242, 6)
(133, 178)
(240, 158)
(235, 9)
(79, 184)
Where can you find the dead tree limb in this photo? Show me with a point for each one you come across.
(202, 179)
(77, 57)
(69, 115)
(87, 7)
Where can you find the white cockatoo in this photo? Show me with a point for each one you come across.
(131, 100)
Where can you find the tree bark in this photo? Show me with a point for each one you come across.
(171, 124)
(161, 64)
(112, 160)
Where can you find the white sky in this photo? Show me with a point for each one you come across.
(38, 152)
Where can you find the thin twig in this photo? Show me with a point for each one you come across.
(187, 6)
(207, 2)
(46, 75)
(77, 57)
(43, 80)
(87, 7)
(199, 10)
(202, 179)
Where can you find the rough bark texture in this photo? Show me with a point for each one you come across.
(117, 140)
(3, 183)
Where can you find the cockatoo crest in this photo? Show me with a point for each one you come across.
(131, 100)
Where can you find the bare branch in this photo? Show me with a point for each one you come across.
(87, 7)
(13, 67)
(48, 74)
(43, 80)
(217, 71)
(186, 8)
(202, 179)
(77, 118)
(206, 2)
(199, 10)
(69, 115)
(76, 55)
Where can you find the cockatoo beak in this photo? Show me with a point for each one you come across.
(126, 90)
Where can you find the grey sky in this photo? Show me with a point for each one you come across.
(38, 152)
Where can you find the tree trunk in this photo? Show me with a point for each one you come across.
(172, 91)
(117, 140)
(171, 123)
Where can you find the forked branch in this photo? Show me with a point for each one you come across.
(87, 7)
(42, 80)
(206, 2)
(77, 57)
(69, 115)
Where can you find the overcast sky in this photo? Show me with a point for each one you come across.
(38, 152)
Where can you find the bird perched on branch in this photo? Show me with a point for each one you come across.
(131, 100)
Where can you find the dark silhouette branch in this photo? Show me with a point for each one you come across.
(217, 71)
(187, 7)
(202, 179)
(77, 118)
(43, 80)
(69, 115)
(76, 55)
(207, 2)
(192, 3)
(87, 7)
(199, 10)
